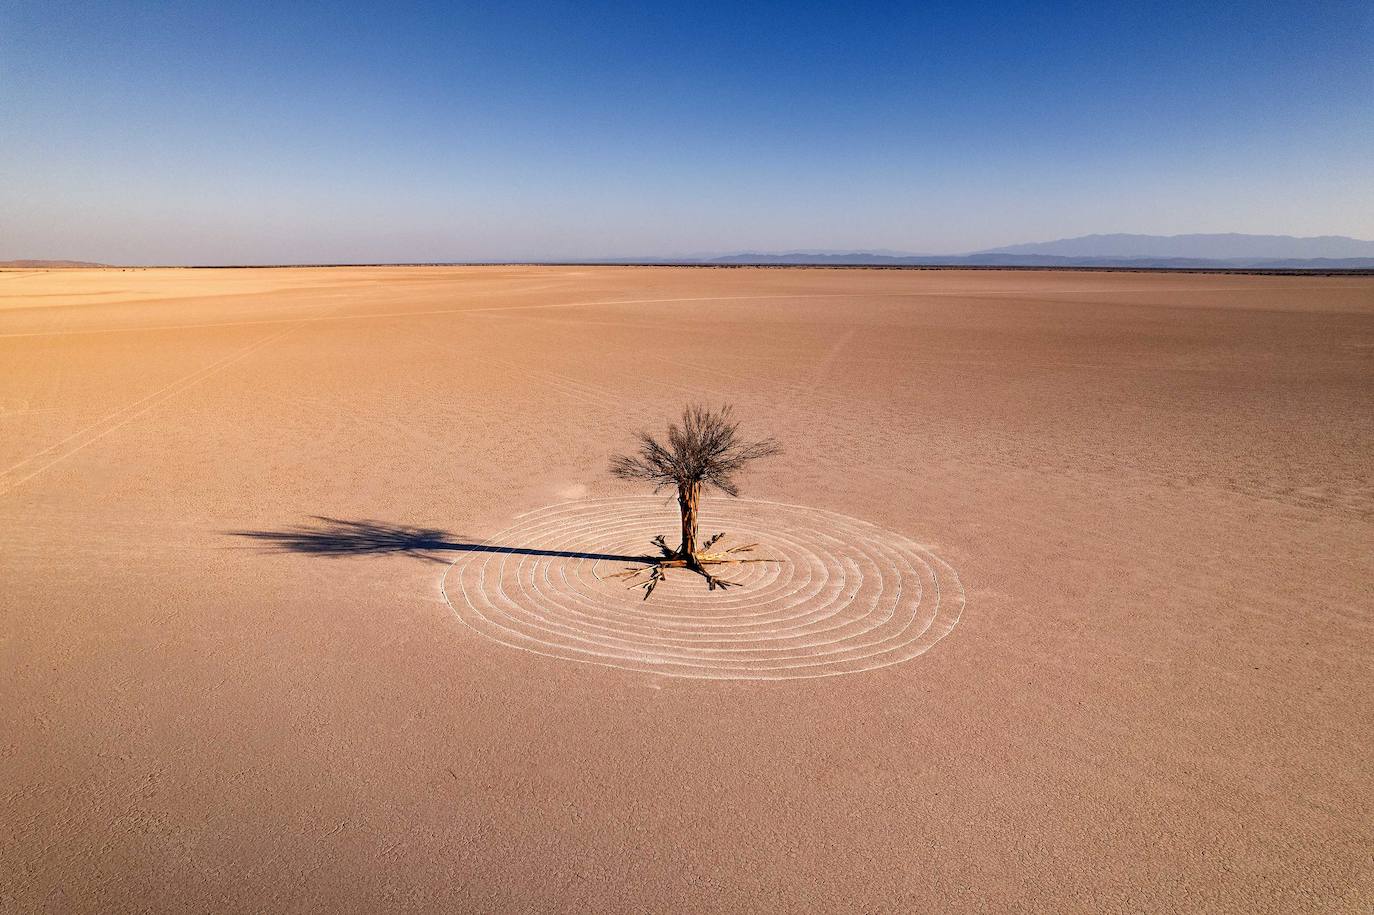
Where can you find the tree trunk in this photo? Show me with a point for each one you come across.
(687, 496)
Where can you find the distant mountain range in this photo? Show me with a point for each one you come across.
(1207, 247)
(1230, 251)
(1222, 251)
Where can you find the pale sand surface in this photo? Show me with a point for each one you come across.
(1155, 490)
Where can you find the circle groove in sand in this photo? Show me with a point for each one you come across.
(847, 597)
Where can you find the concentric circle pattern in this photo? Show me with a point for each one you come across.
(844, 596)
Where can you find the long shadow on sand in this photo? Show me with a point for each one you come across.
(340, 537)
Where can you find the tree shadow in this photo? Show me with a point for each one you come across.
(340, 537)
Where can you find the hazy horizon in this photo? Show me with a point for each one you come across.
(245, 133)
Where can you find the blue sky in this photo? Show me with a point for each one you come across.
(337, 131)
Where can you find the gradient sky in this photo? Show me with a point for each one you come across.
(345, 132)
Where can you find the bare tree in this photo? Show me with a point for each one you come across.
(705, 450)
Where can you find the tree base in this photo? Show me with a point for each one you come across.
(657, 567)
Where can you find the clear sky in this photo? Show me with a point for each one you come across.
(237, 132)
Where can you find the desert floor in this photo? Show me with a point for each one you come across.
(1146, 500)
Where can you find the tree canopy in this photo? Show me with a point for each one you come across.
(705, 448)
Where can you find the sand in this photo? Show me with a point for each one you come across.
(1153, 491)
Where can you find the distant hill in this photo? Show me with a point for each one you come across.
(49, 264)
(861, 258)
(1230, 251)
(1228, 247)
